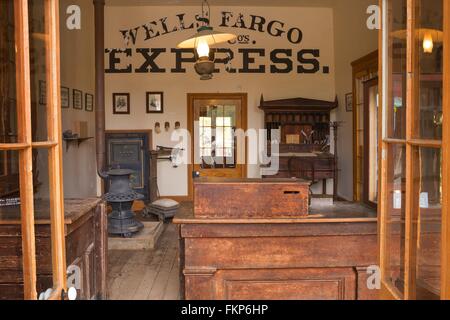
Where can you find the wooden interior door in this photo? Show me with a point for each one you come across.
(213, 121)
(414, 202)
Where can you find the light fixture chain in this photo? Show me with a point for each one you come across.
(206, 12)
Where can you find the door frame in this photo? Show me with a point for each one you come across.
(190, 125)
(25, 147)
(444, 145)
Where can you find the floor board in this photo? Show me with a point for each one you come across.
(146, 274)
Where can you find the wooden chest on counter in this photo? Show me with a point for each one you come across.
(217, 198)
(86, 248)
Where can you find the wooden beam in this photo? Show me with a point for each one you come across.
(410, 249)
(54, 133)
(14, 146)
(445, 254)
(25, 154)
(99, 22)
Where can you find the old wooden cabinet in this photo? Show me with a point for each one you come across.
(86, 247)
(325, 256)
(250, 198)
(304, 141)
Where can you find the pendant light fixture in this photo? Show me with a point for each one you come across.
(427, 35)
(202, 42)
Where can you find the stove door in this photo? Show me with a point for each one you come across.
(131, 151)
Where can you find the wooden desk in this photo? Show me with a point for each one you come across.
(324, 256)
(86, 247)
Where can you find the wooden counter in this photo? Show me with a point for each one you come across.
(323, 256)
(86, 247)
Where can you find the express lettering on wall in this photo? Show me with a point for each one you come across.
(253, 60)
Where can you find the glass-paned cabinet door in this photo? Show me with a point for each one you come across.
(427, 222)
(428, 61)
(414, 108)
(395, 61)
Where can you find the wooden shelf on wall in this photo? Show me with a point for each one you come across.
(78, 141)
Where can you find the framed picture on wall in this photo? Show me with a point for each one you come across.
(77, 99)
(349, 102)
(121, 103)
(42, 93)
(89, 102)
(155, 102)
(65, 97)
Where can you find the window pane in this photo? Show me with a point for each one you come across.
(38, 77)
(429, 46)
(396, 65)
(217, 121)
(9, 160)
(372, 146)
(395, 217)
(9, 182)
(427, 220)
(8, 110)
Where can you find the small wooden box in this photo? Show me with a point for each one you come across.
(250, 198)
(293, 139)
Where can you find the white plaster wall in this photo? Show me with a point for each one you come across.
(316, 24)
(77, 72)
(353, 40)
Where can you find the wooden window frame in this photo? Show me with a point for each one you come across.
(53, 144)
(411, 142)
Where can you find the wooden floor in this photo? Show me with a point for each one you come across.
(146, 274)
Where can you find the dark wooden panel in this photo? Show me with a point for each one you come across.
(282, 252)
(80, 250)
(282, 284)
(280, 230)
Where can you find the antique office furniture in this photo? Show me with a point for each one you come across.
(86, 248)
(324, 255)
(304, 139)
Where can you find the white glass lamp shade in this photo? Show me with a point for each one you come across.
(206, 35)
(429, 37)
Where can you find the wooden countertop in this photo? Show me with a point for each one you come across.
(216, 180)
(74, 209)
(341, 212)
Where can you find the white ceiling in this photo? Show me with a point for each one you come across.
(255, 3)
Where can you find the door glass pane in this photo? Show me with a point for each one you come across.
(217, 123)
(372, 144)
(38, 65)
(429, 63)
(427, 220)
(9, 173)
(396, 64)
(395, 217)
